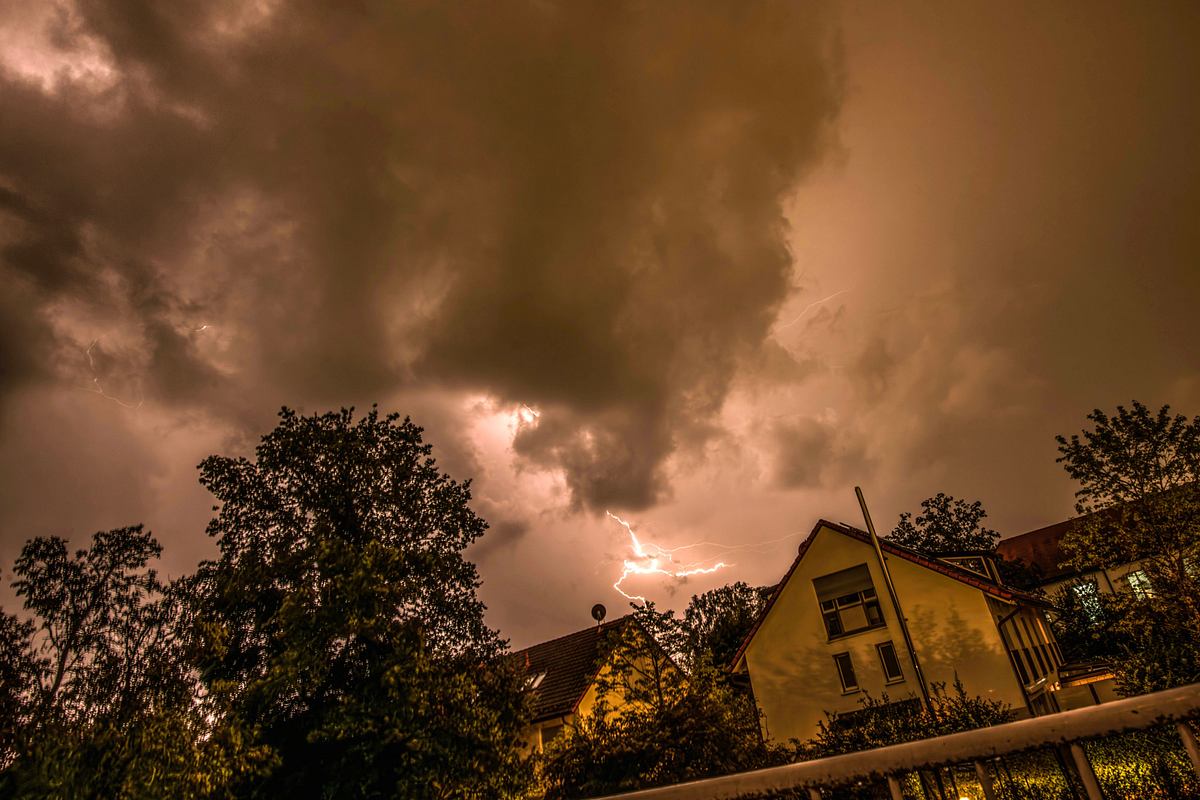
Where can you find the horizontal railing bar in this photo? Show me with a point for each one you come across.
(1064, 727)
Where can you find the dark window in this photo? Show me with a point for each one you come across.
(848, 601)
(891, 664)
(1016, 657)
(845, 669)
(1042, 668)
(550, 733)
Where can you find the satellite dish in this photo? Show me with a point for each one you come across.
(598, 612)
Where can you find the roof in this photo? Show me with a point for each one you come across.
(1004, 593)
(570, 664)
(1040, 549)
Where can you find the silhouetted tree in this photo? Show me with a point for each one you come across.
(945, 525)
(716, 622)
(1139, 476)
(341, 618)
(98, 697)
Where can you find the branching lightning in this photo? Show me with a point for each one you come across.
(651, 559)
(97, 388)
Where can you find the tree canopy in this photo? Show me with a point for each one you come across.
(1139, 494)
(98, 698)
(341, 622)
(945, 525)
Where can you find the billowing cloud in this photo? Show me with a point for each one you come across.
(577, 205)
(706, 265)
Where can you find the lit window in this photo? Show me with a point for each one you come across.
(845, 668)
(1089, 598)
(848, 601)
(891, 664)
(1140, 584)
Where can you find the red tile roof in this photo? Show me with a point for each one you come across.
(1040, 549)
(570, 664)
(891, 548)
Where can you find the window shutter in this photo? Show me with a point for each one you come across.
(847, 581)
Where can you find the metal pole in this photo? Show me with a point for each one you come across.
(887, 579)
(1189, 744)
(985, 781)
(1086, 774)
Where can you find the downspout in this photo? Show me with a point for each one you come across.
(887, 579)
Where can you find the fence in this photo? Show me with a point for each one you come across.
(1067, 729)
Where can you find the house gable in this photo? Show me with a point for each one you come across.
(797, 665)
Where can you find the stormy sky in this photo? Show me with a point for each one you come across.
(701, 265)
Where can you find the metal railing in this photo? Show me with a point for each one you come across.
(1065, 729)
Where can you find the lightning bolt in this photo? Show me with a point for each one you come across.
(810, 307)
(97, 388)
(654, 559)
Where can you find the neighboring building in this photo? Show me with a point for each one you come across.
(1041, 550)
(564, 676)
(1087, 682)
(829, 635)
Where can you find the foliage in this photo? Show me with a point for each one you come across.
(946, 525)
(98, 697)
(881, 721)
(654, 724)
(1139, 476)
(341, 625)
(1088, 631)
(716, 622)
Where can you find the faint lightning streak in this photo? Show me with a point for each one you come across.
(97, 388)
(202, 328)
(810, 307)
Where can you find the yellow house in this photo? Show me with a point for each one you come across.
(829, 635)
(566, 675)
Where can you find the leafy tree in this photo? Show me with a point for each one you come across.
(341, 621)
(97, 694)
(946, 525)
(715, 623)
(1139, 497)
(653, 723)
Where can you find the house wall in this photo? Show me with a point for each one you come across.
(790, 659)
(1108, 581)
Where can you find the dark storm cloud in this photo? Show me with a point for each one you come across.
(571, 205)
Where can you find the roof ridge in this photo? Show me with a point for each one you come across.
(597, 627)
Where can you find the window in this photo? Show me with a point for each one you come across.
(848, 601)
(1016, 657)
(1140, 584)
(891, 664)
(534, 681)
(550, 733)
(845, 668)
(1089, 598)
